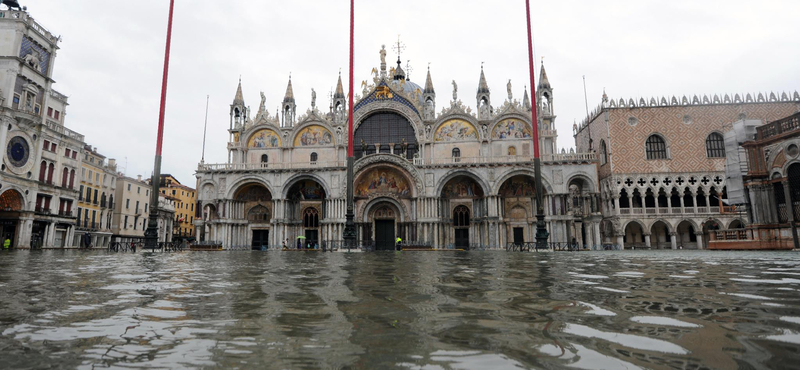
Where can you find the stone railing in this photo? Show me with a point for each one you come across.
(268, 166)
(569, 157)
(58, 95)
(20, 14)
(55, 126)
(546, 158)
(780, 126)
(549, 132)
(670, 211)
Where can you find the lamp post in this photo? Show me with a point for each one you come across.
(349, 233)
(541, 229)
(151, 234)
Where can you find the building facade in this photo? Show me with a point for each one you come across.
(771, 187)
(185, 199)
(96, 199)
(38, 188)
(662, 165)
(130, 209)
(455, 178)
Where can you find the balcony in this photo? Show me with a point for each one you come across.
(65, 213)
(791, 123)
(42, 210)
(59, 128)
(270, 166)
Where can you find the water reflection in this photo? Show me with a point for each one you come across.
(653, 310)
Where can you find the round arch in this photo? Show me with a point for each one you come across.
(376, 202)
(666, 148)
(446, 134)
(456, 173)
(668, 225)
(505, 117)
(367, 110)
(12, 200)
(384, 178)
(287, 185)
(641, 225)
(503, 178)
(250, 133)
(737, 223)
(592, 187)
(246, 180)
(378, 132)
(299, 130)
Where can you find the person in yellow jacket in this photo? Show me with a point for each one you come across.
(7, 243)
(397, 243)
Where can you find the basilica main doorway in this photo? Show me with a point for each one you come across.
(260, 239)
(384, 235)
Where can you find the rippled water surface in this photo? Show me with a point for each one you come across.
(407, 310)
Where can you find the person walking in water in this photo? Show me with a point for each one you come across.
(397, 243)
(7, 243)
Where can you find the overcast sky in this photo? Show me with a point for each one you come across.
(111, 58)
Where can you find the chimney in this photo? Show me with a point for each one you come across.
(112, 162)
(139, 177)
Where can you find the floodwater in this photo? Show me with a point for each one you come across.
(400, 310)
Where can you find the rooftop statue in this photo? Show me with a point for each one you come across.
(455, 91)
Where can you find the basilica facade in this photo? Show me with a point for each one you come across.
(453, 178)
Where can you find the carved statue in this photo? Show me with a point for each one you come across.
(262, 107)
(428, 131)
(313, 99)
(508, 89)
(455, 91)
(33, 58)
(485, 129)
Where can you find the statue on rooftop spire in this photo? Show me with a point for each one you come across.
(262, 107)
(313, 98)
(383, 54)
(508, 89)
(455, 91)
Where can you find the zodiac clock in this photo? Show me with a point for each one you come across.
(18, 152)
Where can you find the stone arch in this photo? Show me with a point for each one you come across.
(375, 159)
(736, 223)
(512, 115)
(669, 226)
(297, 130)
(455, 173)
(634, 237)
(12, 200)
(528, 172)
(368, 207)
(246, 180)
(384, 186)
(287, 185)
(660, 234)
(456, 117)
(249, 135)
(592, 187)
(390, 107)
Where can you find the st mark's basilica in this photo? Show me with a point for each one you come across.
(457, 178)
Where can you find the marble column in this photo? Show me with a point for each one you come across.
(699, 238)
(647, 240)
(673, 238)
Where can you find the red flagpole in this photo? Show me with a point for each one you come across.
(350, 94)
(535, 121)
(164, 82)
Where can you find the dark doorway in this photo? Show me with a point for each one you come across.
(462, 238)
(312, 237)
(384, 234)
(7, 230)
(260, 239)
(519, 235)
(37, 234)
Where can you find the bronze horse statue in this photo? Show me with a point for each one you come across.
(11, 4)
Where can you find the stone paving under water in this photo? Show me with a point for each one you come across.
(404, 310)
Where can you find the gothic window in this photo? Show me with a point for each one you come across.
(50, 169)
(603, 152)
(384, 128)
(311, 218)
(72, 179)
(461, 216)
(264, 158)
(314, 157)
(456, 155)
(42, 171)
(656, 147)
(715, 146)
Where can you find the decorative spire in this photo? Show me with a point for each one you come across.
(526, 101)
(399, 74)
(238, 99)
(429, 83)
(483, 87)
(543, 81)
(339, 88)
(289, 97)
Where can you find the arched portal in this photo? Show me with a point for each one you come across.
(518, 208)
(659, 236)
(686, 235)
(634, 235)
(11, 202)
(253, 203)
(709, 227)
(385, 218)
(463, 197)
(305, 208)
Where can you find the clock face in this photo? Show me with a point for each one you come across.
(18, 151)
